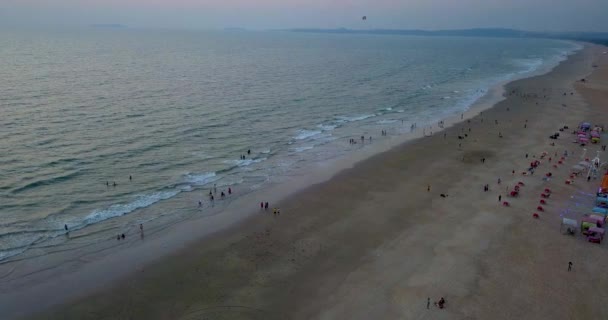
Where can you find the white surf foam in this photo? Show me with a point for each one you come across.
(121, 209)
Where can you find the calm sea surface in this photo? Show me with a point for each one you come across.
(177, 110)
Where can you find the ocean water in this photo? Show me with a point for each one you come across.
(176, 110)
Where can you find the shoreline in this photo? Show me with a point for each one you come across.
(196, 228)
(87, 236)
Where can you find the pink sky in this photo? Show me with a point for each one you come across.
(261, 14)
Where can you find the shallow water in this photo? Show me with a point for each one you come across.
(176, 110)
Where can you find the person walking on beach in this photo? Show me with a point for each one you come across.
(428, 188)
(200, 203)
(261, 205)
(499, 197)
(428, 303)
(266, 205)
(130, 178)
(569, 266)
(229, 191)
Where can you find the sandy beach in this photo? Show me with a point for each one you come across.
(378, 239)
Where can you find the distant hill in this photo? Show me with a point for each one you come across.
(108, 25)
(235, 29)
(597, 37)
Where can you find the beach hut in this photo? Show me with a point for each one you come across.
(600, 210)
(568, 226)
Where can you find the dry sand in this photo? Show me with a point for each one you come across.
(372, 242)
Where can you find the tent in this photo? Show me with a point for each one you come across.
(578, 168)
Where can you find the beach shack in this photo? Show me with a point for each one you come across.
(595, 234)
(568, 226)
(604, 185)
(587, 223)
(601, 202)
(599, 220)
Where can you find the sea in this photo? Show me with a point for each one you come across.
(96, 125)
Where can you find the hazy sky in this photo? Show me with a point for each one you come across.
(555, 15)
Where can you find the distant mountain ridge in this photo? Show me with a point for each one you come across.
(598, 37)
(108, 25)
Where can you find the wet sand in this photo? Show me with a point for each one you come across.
(373, 242)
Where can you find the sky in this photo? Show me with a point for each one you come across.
(533, 15)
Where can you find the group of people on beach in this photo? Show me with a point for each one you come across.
(265, 206)
(213, 192)
(243, 157)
